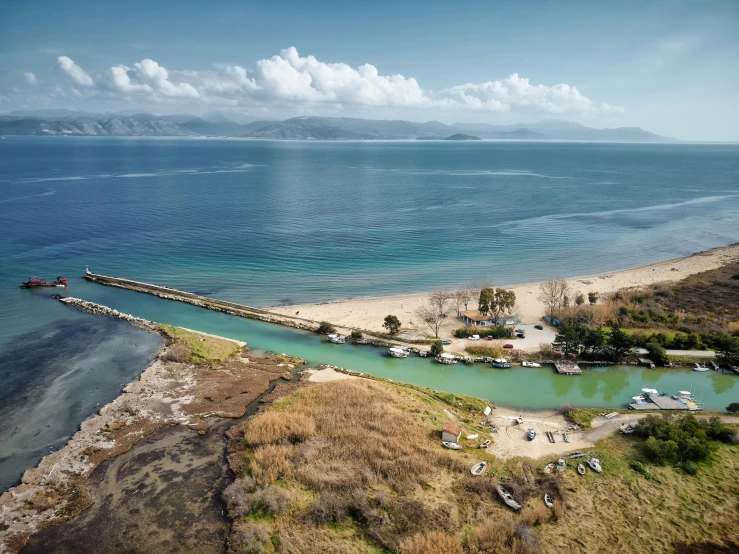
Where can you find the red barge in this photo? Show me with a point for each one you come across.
(35, 282)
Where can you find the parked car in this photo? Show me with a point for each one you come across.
(507, 345)
(446, 341)
(520, 336)
(489, 337)
(539, 327)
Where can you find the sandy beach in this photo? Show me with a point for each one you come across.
(368, 313)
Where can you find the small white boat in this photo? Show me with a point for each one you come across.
(451, 445)
(581, 469)
(627, 428)
(548, 501)
(397, 352)
(530, 364)
(501, 363)
(485, 444)
(594, 464)
(699, 367)
(447, 359)
(507, 497)
(561, 464)
(549, 468)
(471, 437)
(479, 468)
(336, 338)
(531, 434)
(518, 420)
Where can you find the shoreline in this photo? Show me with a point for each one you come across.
(164, 393)
(367, 313)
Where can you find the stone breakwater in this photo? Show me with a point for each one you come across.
(99, 309)
(231, 308)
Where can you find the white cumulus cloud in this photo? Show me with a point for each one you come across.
(30, 78)
(289, 79)
(77, 74)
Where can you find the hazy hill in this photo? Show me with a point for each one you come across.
(66, 122)
(460, 136)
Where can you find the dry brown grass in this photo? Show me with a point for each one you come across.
(273, 427)
(271, 462)
(435, 542)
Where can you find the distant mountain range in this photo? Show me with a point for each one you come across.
(66, 122)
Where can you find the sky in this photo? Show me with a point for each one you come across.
(671, 67)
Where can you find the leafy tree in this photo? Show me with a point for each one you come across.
(733, 408)
(436, 348)
(657, 353)
(568, 339)
(325, 328)
(727, 350)
(392, 324)
(594, 341)
(486, 300)
(619, 344)
(592, 297)
(503, 302)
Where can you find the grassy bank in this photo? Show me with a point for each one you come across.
(199, 348)
(368, 474)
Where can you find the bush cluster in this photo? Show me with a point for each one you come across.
(681, 440)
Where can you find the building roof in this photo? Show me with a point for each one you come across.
(453, 428)
(474, 315)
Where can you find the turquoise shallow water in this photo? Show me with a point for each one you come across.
(267, 223)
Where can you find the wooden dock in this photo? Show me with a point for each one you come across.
(565, 367)
(668, 403)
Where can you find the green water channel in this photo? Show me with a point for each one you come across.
(524, 388)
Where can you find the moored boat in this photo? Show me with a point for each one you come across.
(700, 367)
(479, 468)
(36, 282)
(507, 497)
(451, 445)
(594, 464)
(447, 359)
(530, 364)
(336, 338)
(501, 363)
(397, 352)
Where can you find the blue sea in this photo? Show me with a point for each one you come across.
(269, 223)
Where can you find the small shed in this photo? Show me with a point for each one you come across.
(451, 432)
(473, 318)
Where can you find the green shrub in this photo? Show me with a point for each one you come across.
(356, 335)
(657, 353)
(436, 348)
(325, 328)
(690, 468)
(495, 332)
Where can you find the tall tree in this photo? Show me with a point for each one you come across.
(503, 302)
(620, 343)
(392, 324)
(727, 351)
(486, 300)
(554, 294)
(461, 298)
(569, 336)
(436, 311)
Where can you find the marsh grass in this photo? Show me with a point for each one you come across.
(202, 348)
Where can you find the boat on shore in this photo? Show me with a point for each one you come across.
(36, 282)
(447, 359)
(549, 468)
(594, 464)
(581, 469)
(479, 468)
(336, 338)
(531, 434)
(627, 428)
(451, 445)
(530, 364)
(548, 501)
(507, 497)
(397, 352)
(561, 465)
